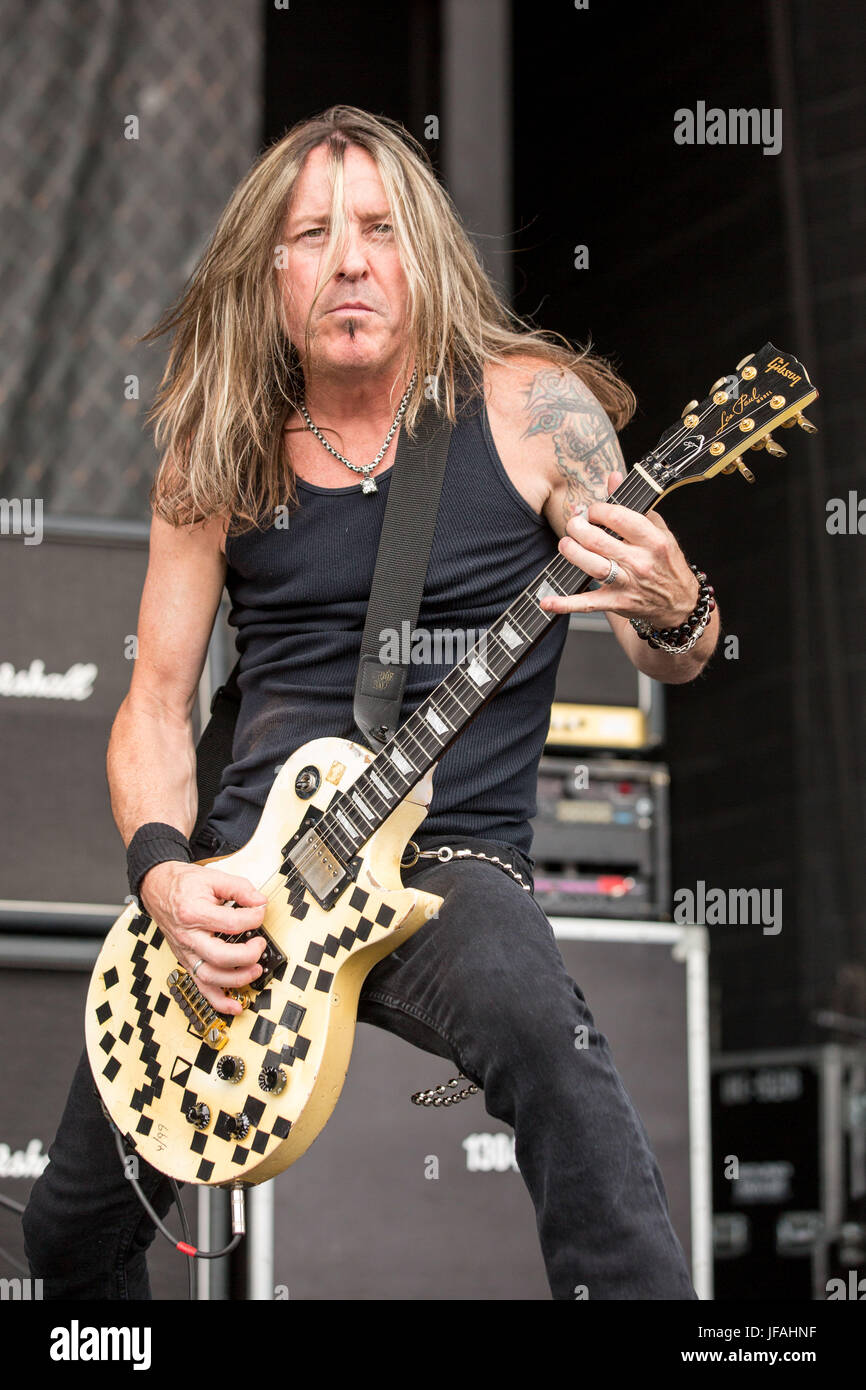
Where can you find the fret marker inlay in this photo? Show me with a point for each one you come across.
(436, 724)
(477, 672)
(402, 764)
(379, 784)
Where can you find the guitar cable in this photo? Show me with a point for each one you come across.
(185, 1246)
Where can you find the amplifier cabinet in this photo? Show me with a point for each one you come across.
(69, 615)
(399, 1201)
(601, 701)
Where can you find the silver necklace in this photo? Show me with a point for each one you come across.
(368, 484)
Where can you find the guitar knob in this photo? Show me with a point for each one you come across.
(272, 1079)
(243, 996)
(230, 1069)
(199, 1115)
(741, 364)
(240, 1126)
(687, 409)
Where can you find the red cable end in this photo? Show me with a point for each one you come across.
(186, 1249)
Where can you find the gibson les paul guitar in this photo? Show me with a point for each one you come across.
(215, 1098)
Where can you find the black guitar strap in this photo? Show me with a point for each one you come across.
(401, 568)
(395, 598)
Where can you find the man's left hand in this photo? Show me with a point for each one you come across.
(653, 578)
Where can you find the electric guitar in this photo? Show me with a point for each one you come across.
(214, 1098)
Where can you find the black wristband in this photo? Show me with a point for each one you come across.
(153, 843)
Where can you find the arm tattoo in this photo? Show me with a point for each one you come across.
(583, 437)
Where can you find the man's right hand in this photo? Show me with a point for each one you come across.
(188, 904)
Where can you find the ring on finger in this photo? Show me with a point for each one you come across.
(199, 962)
(612, 574)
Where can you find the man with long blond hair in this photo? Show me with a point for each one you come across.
(340, 293)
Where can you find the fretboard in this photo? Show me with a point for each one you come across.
(355, 814)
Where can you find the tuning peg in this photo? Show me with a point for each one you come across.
(716, 384)
(737, 465)
(687, 409)
(773, 448)
(742, 363)
(800, 419)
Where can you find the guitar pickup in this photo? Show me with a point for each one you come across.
(320, 869)
(321, 873)
(270, 960)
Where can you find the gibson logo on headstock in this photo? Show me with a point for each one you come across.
(740, 405)
(779, 365)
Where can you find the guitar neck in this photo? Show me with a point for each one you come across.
(356, 813)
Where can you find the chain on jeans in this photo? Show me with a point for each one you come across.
(438, 1095)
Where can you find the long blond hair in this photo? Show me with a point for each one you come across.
(233, 376)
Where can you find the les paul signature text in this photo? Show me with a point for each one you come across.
(741, 406)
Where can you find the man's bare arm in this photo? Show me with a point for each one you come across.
(152, 768)
(563, 415)
(151, 757)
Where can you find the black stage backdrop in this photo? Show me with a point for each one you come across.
(697, 256)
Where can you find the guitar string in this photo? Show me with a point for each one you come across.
(564, 568)
(559, 566)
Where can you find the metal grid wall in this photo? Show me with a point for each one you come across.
(101, 231)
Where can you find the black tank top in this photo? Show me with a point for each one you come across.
(299, 597)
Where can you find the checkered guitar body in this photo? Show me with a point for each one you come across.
(216, 1098)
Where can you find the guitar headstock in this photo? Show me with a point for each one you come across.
(768, 389)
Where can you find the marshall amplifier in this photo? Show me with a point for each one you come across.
(601, 701)
(68, 643)
(601, 838)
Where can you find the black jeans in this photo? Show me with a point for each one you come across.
(484, 985)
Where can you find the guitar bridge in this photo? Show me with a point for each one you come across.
(206, 1022)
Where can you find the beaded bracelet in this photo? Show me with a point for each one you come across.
(680, 639)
